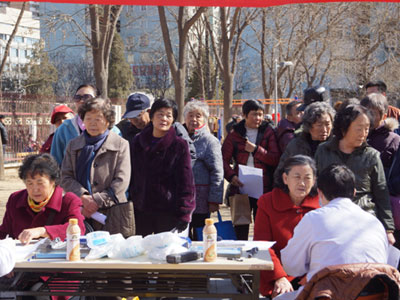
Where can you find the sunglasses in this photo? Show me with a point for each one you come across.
(84, 97)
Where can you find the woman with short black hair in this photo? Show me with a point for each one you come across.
(349, 147)
(40, 210)
(162, 184)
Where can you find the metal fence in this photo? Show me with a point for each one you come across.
(27, 120)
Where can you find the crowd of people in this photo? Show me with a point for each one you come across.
(340, 157)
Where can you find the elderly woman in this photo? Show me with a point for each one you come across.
(96, 166)
(279, 211)
(349, 147)
(208, 169)
(162, 185)
(317, 127)
(40, 210)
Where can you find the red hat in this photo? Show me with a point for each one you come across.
(59, 109)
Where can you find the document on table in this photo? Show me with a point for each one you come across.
(24, 252)
(252, 179)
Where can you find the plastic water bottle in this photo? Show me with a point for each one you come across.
(73, 240)
(209, 241)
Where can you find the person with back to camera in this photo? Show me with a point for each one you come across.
(348, 146)
(40, 210)
(162, 184)
(253, 143)
(339, 232)
(279, 211)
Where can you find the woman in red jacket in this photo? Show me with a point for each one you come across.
(40, 210)
(280, 211)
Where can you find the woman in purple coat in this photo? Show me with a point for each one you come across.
(162, 185)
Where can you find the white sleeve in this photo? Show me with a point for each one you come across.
(7, 259)
(296, 255)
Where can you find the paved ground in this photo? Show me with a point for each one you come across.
(12, 183)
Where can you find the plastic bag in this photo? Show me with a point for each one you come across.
(125, 248)
(162, 244)
(99, 243)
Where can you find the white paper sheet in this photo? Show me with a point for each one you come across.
(394, 256)
(252, 179)
(99, 217)
(24, 252)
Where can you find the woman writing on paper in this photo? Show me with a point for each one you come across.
(279, 211)
(40, 210)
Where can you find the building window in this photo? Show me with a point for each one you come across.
(14, 52)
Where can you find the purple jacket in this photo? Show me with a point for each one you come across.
(162, 177)
(285, 133)
(385, 141)
(19, 215)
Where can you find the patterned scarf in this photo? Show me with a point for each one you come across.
(37, 207)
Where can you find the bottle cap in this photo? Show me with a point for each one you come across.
(209, 222)
(73, 221)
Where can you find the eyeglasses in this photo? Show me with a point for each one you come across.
(84, 97)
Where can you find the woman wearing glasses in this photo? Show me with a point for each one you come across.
(72, 128)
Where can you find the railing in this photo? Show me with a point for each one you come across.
(239, 102)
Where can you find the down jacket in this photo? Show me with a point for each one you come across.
(208, 170)
(266, 155)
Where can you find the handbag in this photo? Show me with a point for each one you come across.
(120, 219)
(240, 209)
(225, 230)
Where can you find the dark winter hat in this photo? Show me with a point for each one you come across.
(311, 95)
(137, 102)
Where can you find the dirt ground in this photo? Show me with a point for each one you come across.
(12, 183)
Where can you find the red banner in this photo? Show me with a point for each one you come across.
(247, 3)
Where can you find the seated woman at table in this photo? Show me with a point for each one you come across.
(40, 210)
(279, 211)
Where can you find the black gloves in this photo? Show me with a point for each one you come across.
(181, 226)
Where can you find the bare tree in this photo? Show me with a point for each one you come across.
(103, 21)
(303, 34)
(232, 22)
(8, 45)
(178, 67)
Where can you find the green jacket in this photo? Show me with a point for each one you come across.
(372, 193)
(301, 144)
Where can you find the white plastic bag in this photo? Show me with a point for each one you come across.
(162, 244)
(125, 248)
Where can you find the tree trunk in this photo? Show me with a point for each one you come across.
(7, 49)
(228, 97)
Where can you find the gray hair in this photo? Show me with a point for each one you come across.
(196, 105)
(376, 101)
(313, 113)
